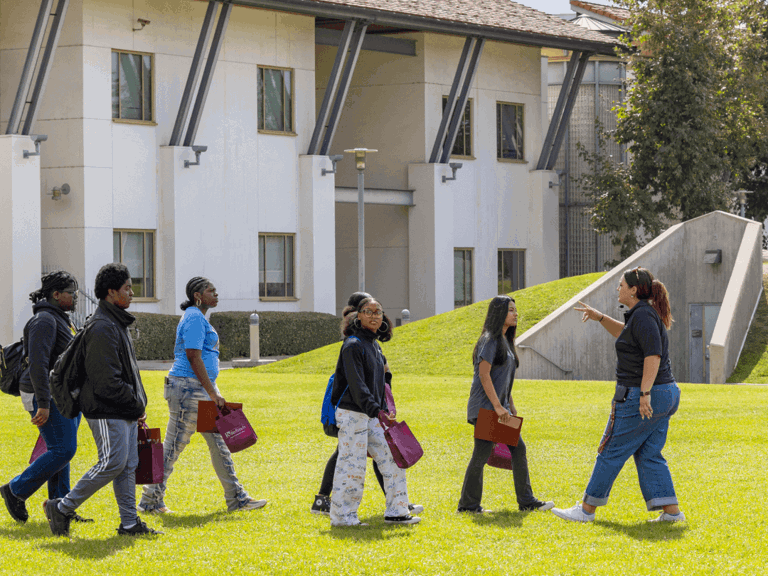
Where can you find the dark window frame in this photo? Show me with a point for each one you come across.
(464, 137)
(467, 275)
(148, 283)
(516, 277)
(289, 262)
(517, 131)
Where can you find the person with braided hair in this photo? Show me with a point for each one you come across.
(645, 399)
(193, 378)
(46, 335)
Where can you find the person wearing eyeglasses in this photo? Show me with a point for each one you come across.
(358, 394)
(645, 399)
(46, 335)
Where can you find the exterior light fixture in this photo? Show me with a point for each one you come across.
(36, 138)
(58, 192)
(360, 165)
(334, 160)
(197, 150)
(142, 22)
(454, 168)
(741, 197)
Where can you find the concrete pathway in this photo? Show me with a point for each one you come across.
(165, 365)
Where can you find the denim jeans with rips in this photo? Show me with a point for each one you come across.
(182, 395)
(628, 434)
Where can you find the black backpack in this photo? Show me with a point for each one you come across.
(68, 376)
(13, 363)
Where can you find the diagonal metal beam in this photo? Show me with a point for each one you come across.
(461, 104)
(451, 104)
(346, 80)
(29, 67)
(554, 123)
(330, 90)
(583, 59)
(45, 66)
(210, 67)
(194, 74)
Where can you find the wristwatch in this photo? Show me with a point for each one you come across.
(645, 393)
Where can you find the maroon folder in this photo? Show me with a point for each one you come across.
(206, 415)
(489, 428)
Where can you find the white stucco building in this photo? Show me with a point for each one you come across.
(134, 84)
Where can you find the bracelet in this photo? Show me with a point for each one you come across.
(645, 393)
(601, 319)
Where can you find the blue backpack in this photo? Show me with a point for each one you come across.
(328, 413)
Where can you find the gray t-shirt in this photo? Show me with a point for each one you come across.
(502, 376)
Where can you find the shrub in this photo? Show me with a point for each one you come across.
(280, 333)
(154, 335)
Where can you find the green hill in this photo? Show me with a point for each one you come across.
(442, 345)
(753, 363)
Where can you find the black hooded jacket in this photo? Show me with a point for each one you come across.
(113, 387)
(46, 335)
(358, 384)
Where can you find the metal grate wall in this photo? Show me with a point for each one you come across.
(582, 250)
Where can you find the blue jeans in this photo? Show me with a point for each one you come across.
(182, 395)
(628, 434)
(60, 435)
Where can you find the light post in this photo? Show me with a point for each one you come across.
(741, 196)
(360, 165)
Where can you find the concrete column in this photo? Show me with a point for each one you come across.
(20, 244)
(430, 242)
(543, 254)
(316, 254)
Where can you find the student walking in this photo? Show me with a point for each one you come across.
(495, 361)
(646, 398)
(113, 401)
(193, 378)
(46, 335)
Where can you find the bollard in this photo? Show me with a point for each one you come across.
(254, 329)
(406, 316)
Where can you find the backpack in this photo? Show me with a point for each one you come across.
(328, 413)
(68, 375)
(13, 363)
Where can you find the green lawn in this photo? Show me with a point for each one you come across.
(719, 474)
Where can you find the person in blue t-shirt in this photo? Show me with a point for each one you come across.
(646, 398)
(495, 362)
(191, 379)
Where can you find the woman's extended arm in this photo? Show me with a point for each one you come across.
(195, 358)
(614, 327)
(484, 370)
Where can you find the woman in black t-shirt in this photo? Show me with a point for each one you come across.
(646, 397)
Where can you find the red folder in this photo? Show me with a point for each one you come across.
(488, 427)
(206, 415)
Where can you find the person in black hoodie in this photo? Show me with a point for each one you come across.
(113, 400)
(358, 394)
(46, 335)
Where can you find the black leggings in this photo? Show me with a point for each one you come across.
(330, 468)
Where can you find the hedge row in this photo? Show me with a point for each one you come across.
(280, 333)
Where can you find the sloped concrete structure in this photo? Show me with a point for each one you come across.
(713, 295)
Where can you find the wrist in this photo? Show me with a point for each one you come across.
(602, 316)
(644, 393)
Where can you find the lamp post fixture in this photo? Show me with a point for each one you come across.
(741, 196)
(360, 165)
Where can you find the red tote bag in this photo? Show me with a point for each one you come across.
(501, 457)
(150, 468)
(39, 449)
(405, 449)
(237, 432)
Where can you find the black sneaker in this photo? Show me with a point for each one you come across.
(16, 506)
(78, 518)
(321, 505)
(138, 529)
(538, 505)
(480, 510)
(57, 520)
(408, 519)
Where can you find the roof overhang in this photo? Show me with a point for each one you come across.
(424, 24)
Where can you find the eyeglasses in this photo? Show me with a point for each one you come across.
(369, 313)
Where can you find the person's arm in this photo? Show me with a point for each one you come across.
(650, 369)
(484, 370)
(41, 337)
(195, 358)
(614, 327)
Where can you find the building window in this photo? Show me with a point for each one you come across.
(136, 249)
(511, 270)
(462, 277)
(276, 266)
(132, 85)
(509, 131)
(275, 100)
(463, 144)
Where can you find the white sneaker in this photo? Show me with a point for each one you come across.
(415, 508)
(155, 511)
(575, 514)
(407, 519)
(664, 517)
(252, 505)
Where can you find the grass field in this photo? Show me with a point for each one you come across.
(717, 452)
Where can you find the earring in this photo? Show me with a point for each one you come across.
(356, 323)
(384, 327)
(198, 302)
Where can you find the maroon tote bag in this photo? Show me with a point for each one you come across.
(501, 457)
(150, 468)
(39, 449)
(235, 429)
(405, 449)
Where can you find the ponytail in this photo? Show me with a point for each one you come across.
(54, 282)
(196, 284)
(660, 302)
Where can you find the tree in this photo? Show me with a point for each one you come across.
(694, 121)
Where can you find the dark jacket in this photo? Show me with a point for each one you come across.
(358, 384)
(46, 335)
(112, 388)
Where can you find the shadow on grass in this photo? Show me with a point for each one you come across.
(196, 520)
(502, 518)
(96, 549)
(648, 531)
(376, 530)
